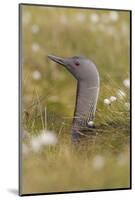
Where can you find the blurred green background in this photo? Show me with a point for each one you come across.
(48, 98)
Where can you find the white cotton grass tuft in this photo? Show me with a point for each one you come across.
(35, 47)
(35, 28)
(90, 123)
(121, 94)
(98, 162)
(26, 18)
(94, 18)
(114, 16)
(107, 102)
(36, 75)
(48, 137)
(126, 83)
(44, 138)
(112, 98)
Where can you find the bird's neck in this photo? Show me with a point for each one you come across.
(85, 107)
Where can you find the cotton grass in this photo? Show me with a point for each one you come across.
(35, 47)
(35, 28)
(45, 138)
(98, 162)
(36, 75)
(126, 83)
(94, 18)
(107, 102)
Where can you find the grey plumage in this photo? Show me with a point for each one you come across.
(87, 78)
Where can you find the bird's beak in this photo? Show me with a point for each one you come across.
(66, 62)
(57, 59)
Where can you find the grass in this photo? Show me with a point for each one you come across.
(48, 98)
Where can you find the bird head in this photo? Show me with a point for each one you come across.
(80, 67)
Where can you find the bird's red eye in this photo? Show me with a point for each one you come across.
(77, 63)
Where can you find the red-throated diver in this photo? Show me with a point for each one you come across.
(87, 77)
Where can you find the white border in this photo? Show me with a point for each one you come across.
(9, 97)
